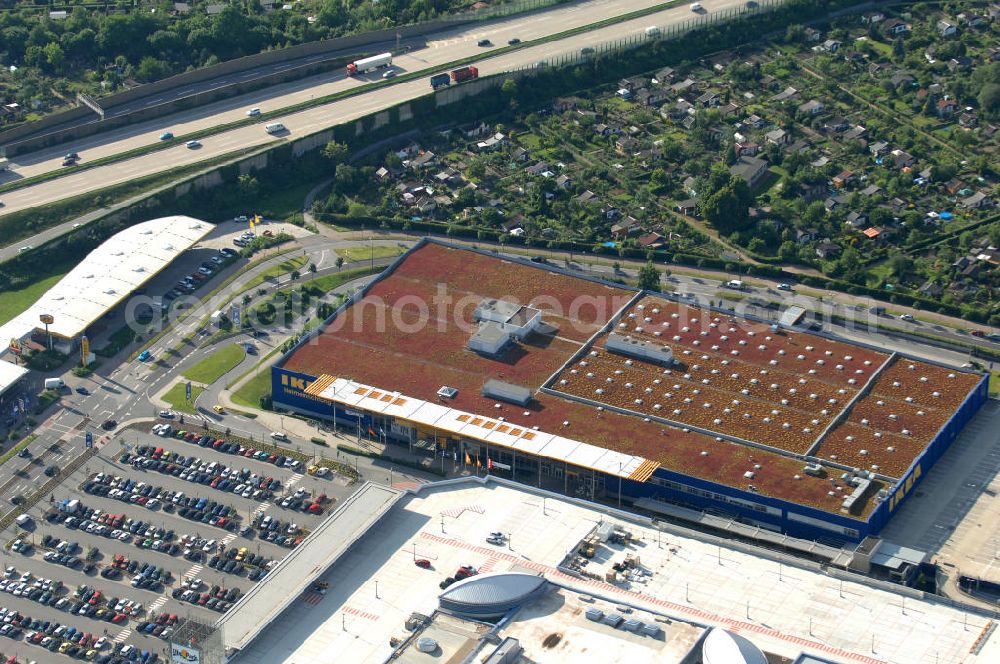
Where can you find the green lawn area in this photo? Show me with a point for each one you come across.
(284, 267)
(15, 302)
(995, 384)
(175, 397)
(284, 203)
(328, 282)
(216, 365)
(366, 253)
(249, 395)
(884, 49)
(530, 141)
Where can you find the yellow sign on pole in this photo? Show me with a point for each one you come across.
(84, 351)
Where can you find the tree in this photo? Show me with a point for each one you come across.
(295, 275)
(248, 185)
(312, 268)
(989, 99)
(54, 56)
(900, 266)
(335, 152)
(339, 262)
(727, 207)
(649, 277)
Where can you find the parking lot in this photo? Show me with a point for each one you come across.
(152, 531)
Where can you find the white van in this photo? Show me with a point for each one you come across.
(696, 6)
(23, 520)
(274, 128)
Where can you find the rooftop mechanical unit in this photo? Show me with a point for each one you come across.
(516, 394)
(640, 349)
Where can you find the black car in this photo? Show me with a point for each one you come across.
(514, 41)
(82, 390)
(109, 425)
(485, 42)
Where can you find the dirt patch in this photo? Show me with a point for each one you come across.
(552, 640)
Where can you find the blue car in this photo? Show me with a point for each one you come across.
(145, 355)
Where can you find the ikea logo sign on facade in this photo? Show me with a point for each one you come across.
(288, 388)
(295, 383)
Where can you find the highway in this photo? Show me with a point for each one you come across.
(441, 49)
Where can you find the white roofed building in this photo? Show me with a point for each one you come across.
(105, 277)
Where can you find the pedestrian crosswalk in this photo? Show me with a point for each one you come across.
(122, 635)
(293, 479)
(312, 598)
(194, 571)
(228, 538)
(157, 603)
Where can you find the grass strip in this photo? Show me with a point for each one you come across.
(286, 267)
(216, 365)
(17, 448)
(15, 302)
(176, 397)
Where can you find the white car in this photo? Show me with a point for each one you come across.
(253, 112)
(167, 414)
(191, 145)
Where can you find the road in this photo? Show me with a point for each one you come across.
(441, 49)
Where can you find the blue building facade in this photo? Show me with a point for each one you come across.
(288, 391)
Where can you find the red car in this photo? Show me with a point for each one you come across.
(119, 618)
(421, 562)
